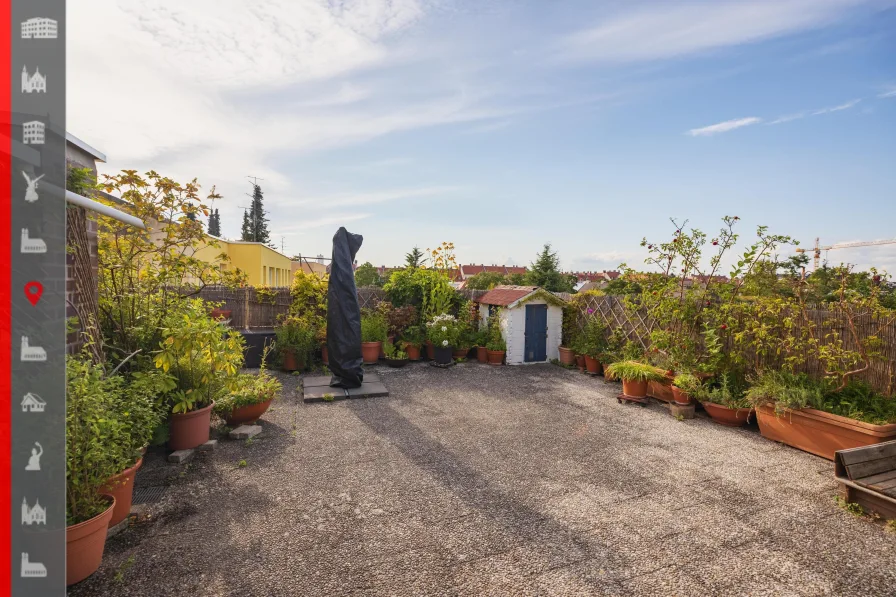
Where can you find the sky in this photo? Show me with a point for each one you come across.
(501, 125)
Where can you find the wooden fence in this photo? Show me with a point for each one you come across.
(253, 310)
(636, 325)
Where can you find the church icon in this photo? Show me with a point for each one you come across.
(33, 515)
(36, 83)
(32, 569)
(33, 403)
(32, 245)
(32, 354)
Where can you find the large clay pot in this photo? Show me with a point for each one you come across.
(370, 351)
(189, 430)
(660, 391)
(460, 353)
(580, 362)
(84, 544)
(680, 397)
(482, 354)
(291, 361)
(592, 365)
(635, 389)
(818, 432)
(413, 351)
(567, 356)
(444, 354)
(324, 354)
(121, 488)
(246, 414)
(729, 417)
(495, 357)
(430, 350)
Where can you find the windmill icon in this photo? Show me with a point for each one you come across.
(31, 192)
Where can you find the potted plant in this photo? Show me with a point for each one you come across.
(204, 359)
(413, 338)
(138, 401)
(480, 341)
(395, 356)
(683, 386)
(578, 347)
(593, 343)
(97, 448)
(249, 397)
(442, 332)
(296, 340)
(374, 331)
(725, 400)
(568, 334)
(817, 417)
(634, 376)
(464, 342)
(496, 347)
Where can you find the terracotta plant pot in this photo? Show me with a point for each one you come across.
(221, 313)
(482, 354)
(291, 361)
(84, 544)
(635, 389)
(567, 356)
(189, 430)
(729, 417)
(370, 351)
(592, 365)
(580, 362)
(660, 391)
(460, 353)
(121, 488)
(818, 432)
(495, 357)
(324, 354)
(413, 351)
(443, 354)
(680, 397)
(247, 414)
(430, 350)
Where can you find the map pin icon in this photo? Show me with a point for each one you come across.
(33, 291)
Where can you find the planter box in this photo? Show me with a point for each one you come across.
(818, 432)
(660, 391)
(867, 477)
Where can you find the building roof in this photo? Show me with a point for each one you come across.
(100, 156)
(472, 269)
(506, 295)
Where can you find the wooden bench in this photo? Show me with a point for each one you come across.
(867, 476)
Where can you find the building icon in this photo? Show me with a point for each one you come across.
(36, 83)
(34, 354)
(33, 132)
(40, 28)
(35, 515)
(32, 245)
(33, 403)
(32, 569)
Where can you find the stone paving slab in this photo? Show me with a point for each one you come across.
(318, 381)
(494, 481)
(368, 389)
(317, 389)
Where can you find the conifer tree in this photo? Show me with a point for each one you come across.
(214, 223)
(545, 272)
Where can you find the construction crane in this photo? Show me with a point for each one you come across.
(818, 248)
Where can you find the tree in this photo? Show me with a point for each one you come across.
(414, 258)
(214, 223)
(255, 222)
(545, 272)
(484, 281)
(366, 275)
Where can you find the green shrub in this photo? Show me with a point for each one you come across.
(787, 390)
(443, 330)
(687, 382)
(729, 390)
(393, 352)
(248, 389)
(495, 335)
(415, 335)
(298, 335)
(635, 371)
(594, 337)
(374, 327)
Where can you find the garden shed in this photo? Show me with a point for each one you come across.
(531, 321)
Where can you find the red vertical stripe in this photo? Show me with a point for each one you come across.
(5, 294)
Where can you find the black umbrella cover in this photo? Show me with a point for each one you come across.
(344, 313)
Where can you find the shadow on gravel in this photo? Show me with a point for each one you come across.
(514, 515)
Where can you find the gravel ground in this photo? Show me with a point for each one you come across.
(481, 480)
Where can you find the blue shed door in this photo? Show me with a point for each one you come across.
(536, 333)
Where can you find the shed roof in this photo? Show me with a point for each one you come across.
(505, 295)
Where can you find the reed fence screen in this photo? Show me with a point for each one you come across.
(635, 326)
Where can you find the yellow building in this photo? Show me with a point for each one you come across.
(263, 265)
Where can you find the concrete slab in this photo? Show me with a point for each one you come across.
(245, 431)
(323, 394)
(368, 390)
(208, 446)
(316, 381)
(181, 456)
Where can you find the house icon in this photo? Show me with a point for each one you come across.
(33, 403)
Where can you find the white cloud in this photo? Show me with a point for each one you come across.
(885, 94)
(844, 106)
(376, 197)
(724, 127)
(318, 222)
(668, 30)
(788, 118)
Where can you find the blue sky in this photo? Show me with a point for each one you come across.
(502, 125)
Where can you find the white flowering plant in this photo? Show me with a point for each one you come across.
(442, 330)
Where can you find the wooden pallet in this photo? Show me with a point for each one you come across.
(624, 398)
(867, 476)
